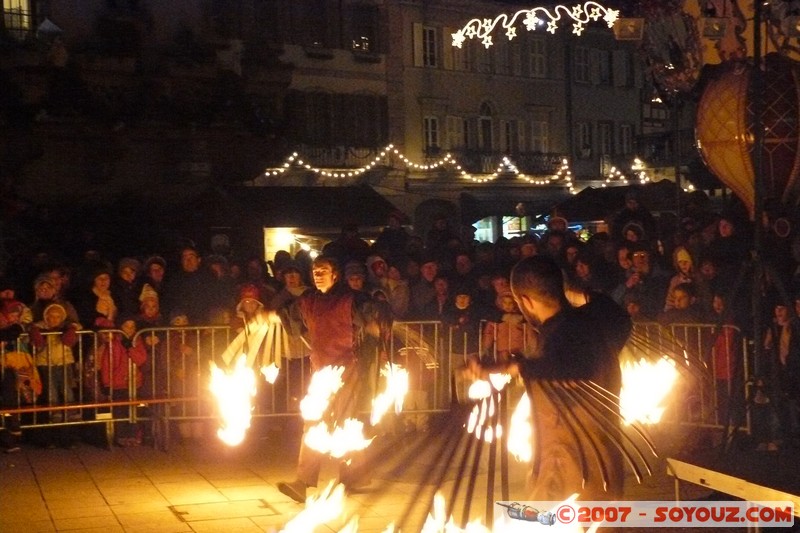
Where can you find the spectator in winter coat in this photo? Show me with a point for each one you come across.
(53, 339)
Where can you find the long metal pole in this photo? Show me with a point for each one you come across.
(758, 183)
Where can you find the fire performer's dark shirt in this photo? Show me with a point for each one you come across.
(582, 343)
(577, 344)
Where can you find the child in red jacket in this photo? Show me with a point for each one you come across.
(119, 361)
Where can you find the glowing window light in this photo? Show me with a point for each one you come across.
(580, 15)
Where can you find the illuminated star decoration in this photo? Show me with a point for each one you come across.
(580, 15)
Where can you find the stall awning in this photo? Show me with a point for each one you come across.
(308, 207)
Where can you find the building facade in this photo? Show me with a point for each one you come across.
(158, 101)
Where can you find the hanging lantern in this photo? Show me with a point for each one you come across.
(725, 125)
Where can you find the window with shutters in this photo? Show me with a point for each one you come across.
(509, 137)
(462, 57)
(485, 129)
(540, 135)
(429, 47)
(625, 139)
(582, 65)
(430, 132)
(605, 138)
(483, 61)
(604, 67)
(502, 58)
(622, 71)
(537, 57)
(455, 133)
(583, 139)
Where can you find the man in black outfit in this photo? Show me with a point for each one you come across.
(574, 344)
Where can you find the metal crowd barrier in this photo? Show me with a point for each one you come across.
(721, 399)
(174, 390)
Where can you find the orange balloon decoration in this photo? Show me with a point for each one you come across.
(725, 124)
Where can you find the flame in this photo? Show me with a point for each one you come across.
(499, 380)
(438, 522)
(520, 431)
(270, 372)
(395, 393)
(644, 387)
(344, 439)
(327, 506)
(487, 393)
(324, 384)
(479, 389)
(234, 392)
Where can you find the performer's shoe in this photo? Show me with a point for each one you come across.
(296, 490)
(356, 486)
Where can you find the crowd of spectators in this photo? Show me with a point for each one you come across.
(698, 273)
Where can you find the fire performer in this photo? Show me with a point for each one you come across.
(577, 431)
(333, 320)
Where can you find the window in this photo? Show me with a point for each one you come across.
(17, 18)
(462, 57)
(470, 133)
(622, 71)
(604, 67)
(310, 24)
(582, 65)
(540, 136)
(515, 55)
(430, 132)
(583, 139)
(325, 119)
(359, 120)
(364, 28)
(502, 58)
(484, 62)
(509, 137)
(485, 127)
(429, 44)
(625, 139)
(537, 57)
(455, 133)
(605, 139)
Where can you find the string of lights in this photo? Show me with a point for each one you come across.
(638, 172)
(579, 14)
(506, 166)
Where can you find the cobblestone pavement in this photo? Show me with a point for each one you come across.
(202, 485)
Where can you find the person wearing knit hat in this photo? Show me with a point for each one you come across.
(684, 273)
(8, 293)
(11, 325)
(45, 291)
(53, 338)
(129, 267)
(147, 293)
(96, 304)
(422, 293)
(355, 275)
(150, 308)
(43, 279)
(250, 305)
(126, 286)
(153, 272)
(377, 269)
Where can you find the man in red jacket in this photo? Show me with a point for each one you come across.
(331, 319)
